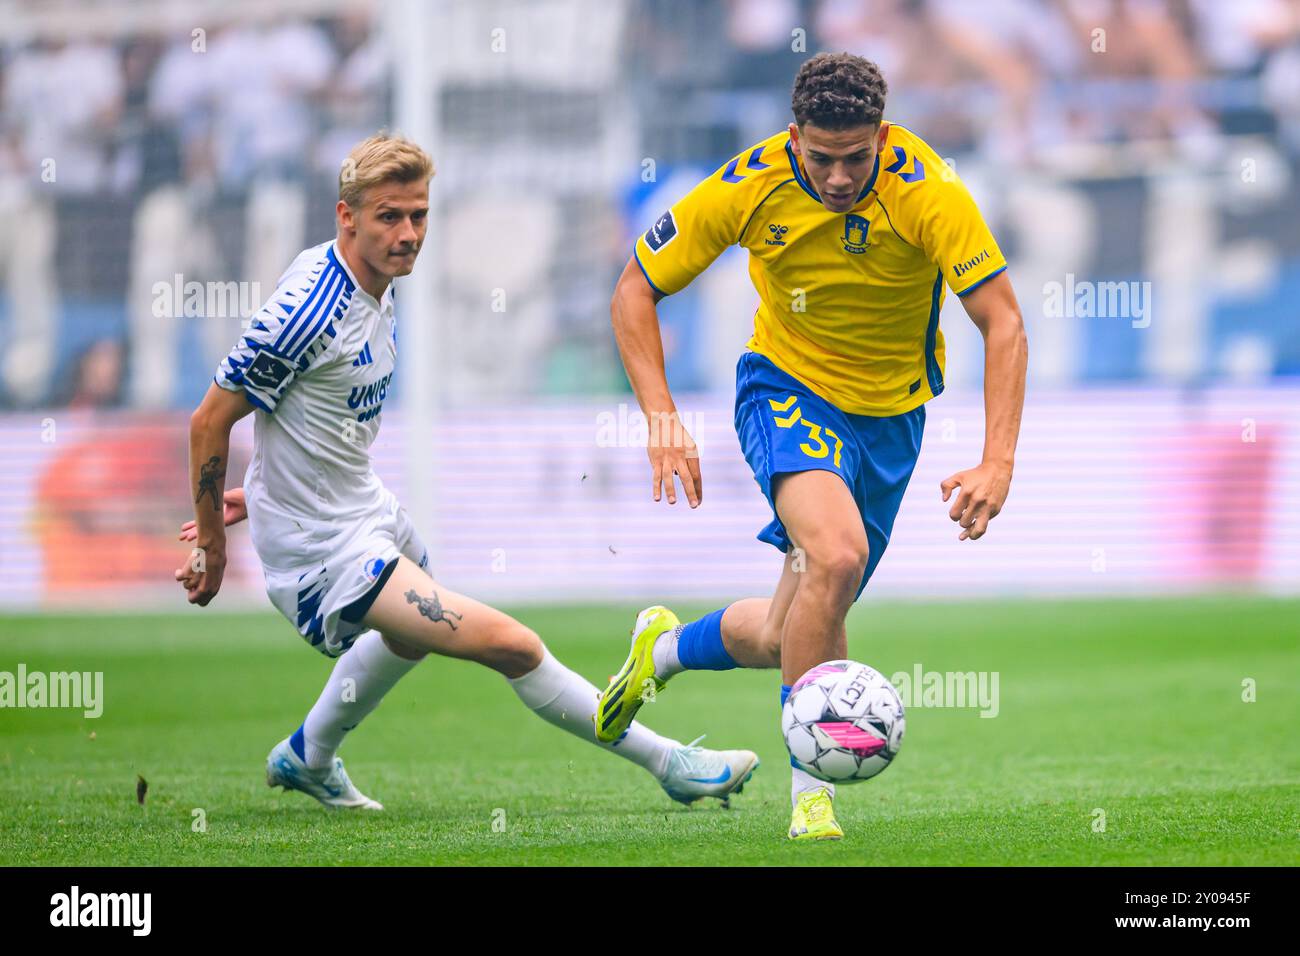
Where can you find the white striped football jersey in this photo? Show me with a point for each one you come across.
(317, 361)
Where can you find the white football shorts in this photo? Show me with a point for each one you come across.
(314, 570)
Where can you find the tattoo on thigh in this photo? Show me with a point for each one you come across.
(209, 475)
(432, 608)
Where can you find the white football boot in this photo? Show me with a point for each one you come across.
(694, 772)
(330, 785)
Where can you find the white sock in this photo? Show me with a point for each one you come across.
(802, 782)
(666, 661)
(359, 681)
(568, 700)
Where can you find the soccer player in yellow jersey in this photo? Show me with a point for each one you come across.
(854, 227)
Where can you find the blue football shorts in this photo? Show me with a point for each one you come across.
(785, 427)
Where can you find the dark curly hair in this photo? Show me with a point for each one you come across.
(839, 91)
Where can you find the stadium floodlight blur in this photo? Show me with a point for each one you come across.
(160, 161)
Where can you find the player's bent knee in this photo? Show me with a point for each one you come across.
(513, 650)
(528, 650)
(839, 566)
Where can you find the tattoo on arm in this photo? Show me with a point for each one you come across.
(432, 608)
(209, 475)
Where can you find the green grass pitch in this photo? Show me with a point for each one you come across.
(1129, 707)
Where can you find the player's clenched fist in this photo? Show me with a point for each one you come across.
(984, 490)
(672, 451)
(201, 575)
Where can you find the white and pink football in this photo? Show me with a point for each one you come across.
(843, 722)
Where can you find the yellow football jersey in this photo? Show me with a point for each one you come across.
(849, 302)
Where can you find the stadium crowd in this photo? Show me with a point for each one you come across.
(128, 160)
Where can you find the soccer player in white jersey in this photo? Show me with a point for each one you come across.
(341, 559)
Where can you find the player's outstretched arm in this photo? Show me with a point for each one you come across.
(210, 427)
(671, 449)
(995, 312)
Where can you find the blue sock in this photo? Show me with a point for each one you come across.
(699, 646)
(299, 745)
(785, 692)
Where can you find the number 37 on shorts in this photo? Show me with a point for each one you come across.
(787, 414)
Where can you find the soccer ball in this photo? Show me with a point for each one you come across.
(843, 722)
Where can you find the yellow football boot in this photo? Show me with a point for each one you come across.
(814, 817)
(636, 680)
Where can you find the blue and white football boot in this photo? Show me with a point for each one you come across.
(330, 785)
(694, 772)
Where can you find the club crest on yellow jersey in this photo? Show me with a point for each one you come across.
(855, 234)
